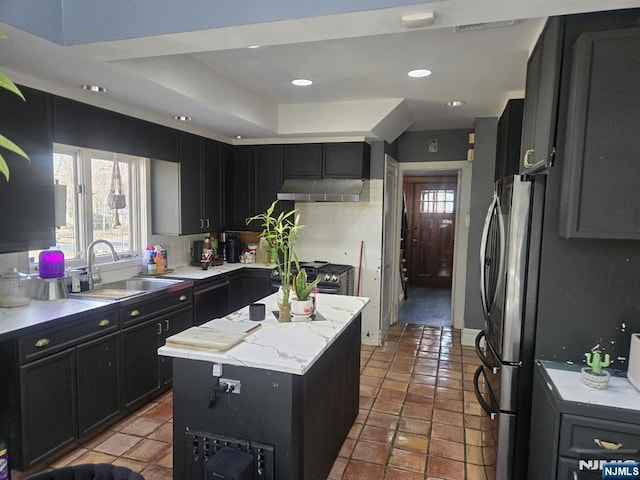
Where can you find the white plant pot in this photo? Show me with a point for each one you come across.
(599, 381)
(301, 308)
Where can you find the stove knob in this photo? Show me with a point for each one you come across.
(275, 273)
(327, 277)
(334, 278)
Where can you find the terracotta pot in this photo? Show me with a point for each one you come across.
(284, 313)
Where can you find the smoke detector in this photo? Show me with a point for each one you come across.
(416, 20)
(472, 27)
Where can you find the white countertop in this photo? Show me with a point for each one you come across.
(196, 273)
(41, 311)
(620, 394)
(284, 347)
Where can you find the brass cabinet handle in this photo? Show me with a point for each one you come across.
(104, 323)
(135, 313)
(201, 223)
(607, 445)
(207, 225)
(159, 328)
(166, 325)
(182, 298)
(526, 161)
(43, 342)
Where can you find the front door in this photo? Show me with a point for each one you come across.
(433, 231)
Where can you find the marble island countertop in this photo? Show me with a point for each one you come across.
(567, 380)
(285, 347)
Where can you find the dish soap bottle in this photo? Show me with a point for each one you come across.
(151, 266)
(145, 259)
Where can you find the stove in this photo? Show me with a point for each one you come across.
(336, 279)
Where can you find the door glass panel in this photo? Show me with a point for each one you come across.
(437, 201)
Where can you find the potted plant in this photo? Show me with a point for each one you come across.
(594, 375)
(302, 303)
(281, 232)
(5, 143)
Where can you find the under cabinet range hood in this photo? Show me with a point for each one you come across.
(323, 190)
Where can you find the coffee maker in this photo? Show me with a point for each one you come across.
(233, 249)
(222, 245)
(196, 252)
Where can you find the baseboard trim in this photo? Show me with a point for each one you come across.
(468, 337)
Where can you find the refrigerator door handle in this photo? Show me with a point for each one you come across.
(494, 367)
(483, 403)
(494, 207)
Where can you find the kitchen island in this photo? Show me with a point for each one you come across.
(296, 396)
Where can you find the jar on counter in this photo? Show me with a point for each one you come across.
(14, 288)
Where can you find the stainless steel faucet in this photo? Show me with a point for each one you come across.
(114, 255)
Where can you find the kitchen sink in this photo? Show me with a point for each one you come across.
(126, 288)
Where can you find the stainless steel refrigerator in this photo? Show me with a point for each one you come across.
(510, 249)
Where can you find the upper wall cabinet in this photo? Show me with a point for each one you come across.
(541, 99)
(329, 160)
(186, 197)
(509, 138)
(26, 200)
(83, 125)
(601, 198)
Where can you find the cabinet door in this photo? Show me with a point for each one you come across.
(190, 182)
(236, 292)
(601, 169)
(29, 222)
(171, 324)
(48, 393)
(257, 285)
(99, 384)
(303, 160)
(240, 194)
(509, 139)
(211, 167)
(140, 361)
(541, 99)
(346, 160)
(268, 177)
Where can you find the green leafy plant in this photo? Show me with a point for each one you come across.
(595, 361)
(7, 84)
(281, 232)
(300, 285)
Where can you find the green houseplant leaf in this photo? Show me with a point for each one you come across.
(7, 84)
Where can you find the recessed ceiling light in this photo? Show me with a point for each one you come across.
(301, 82)
(94, 88)
(419, 73)
(182, 118)
(455, 103)
(254, 46)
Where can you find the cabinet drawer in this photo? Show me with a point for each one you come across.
(54, 339)
(586, 438)
(572, 469)
(144, 310)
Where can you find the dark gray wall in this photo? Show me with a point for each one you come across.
(481, 193)
(452, 145)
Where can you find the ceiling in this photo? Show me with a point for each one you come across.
(357, 57)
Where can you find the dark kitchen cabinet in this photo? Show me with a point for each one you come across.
(303, 160)
(567, 432)
(236, 290)
(601, 169)
(211, 299)
(60, 383)
(346, 160)
(509, 138)
(29, 223)
(257, 284)
(255, 175)
(147, 325)
(541, 99)
(329, 160)
(187, 196)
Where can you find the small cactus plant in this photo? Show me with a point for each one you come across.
(594, 360)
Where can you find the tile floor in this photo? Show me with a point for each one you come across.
(418, 420)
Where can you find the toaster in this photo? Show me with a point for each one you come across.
(633, 374)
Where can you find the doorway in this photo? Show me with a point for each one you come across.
(431, 213)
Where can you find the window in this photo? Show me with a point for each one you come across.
(437, 201)
(88, 175)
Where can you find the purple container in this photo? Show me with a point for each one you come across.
(51, 264)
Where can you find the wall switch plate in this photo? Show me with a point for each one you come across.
(232, 385)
